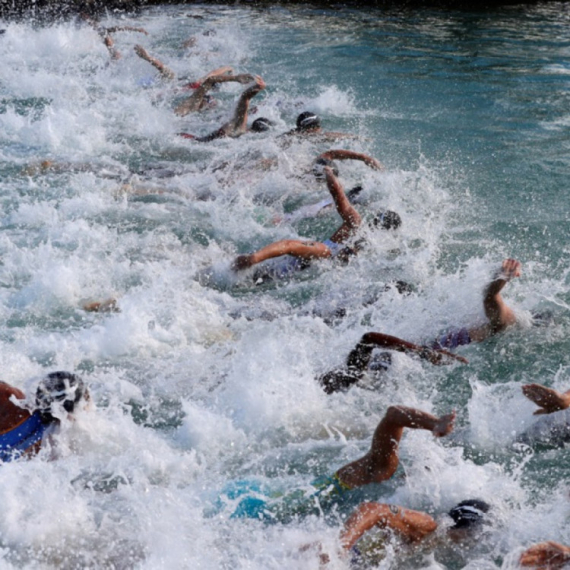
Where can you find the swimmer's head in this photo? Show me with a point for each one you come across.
(308, 121)
(542, 319)
(469, 514)
(386, 220)
(261, 125)
(60, 391)
(319, 165)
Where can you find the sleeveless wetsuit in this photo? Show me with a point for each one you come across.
(16, 441)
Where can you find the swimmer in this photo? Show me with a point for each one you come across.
(499, 316)
(376, 466)
(327, 159)
(548, 555)
(358, 361)
(23, 430)
(412, 527)
(309, 126)
(303, 252)
(237, 126)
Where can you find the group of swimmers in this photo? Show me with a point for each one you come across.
(27, 424)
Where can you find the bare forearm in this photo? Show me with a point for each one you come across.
(340, 154)
(343, 206)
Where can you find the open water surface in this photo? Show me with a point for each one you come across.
(200, 385)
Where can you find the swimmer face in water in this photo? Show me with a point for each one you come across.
(308, 122)
(413, 526)
(261, 125)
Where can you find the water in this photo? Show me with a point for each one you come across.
(198, 386)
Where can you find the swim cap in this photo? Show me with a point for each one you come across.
(308, 120)
(353, 193)
(261, 125)
(319, 165)
(469, 513)
(387, 220)
(63, 388)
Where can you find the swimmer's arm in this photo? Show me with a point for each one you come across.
(338, 154)
(164, 71)
(410, 525)
(547, 399)
(500, 316)
(7, 390)
(238, 124)
(359, 358)
(126, 29)
(297, 248)
(110, 45)
(547, 555)
(350, 217)
(195, 101)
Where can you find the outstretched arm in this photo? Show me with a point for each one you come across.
(547, 399)
(338, 154)
(499, 314)
(164, 71)
(302, 249)
(360, 356)
(546, 556)
(413, 526)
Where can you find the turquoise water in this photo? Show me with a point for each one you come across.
(198, 385)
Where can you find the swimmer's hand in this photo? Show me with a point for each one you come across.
(509, 269)
(373, 163)
(547, 399)
(244, 78)
(242, 262)
(546, 555)
(141, 52)
(444, 425)
(259, 82)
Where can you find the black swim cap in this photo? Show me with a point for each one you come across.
(469, 513)
(387, 220)
(261, 125)
(60, 388)
(319, 165)
(308, 120)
